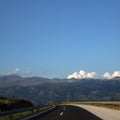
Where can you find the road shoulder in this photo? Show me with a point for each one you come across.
(104, 113)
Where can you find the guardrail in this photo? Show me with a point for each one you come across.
(38, 114)
(15, 111)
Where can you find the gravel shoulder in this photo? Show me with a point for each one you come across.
(103, 113)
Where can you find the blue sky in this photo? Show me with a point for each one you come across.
(54, 38)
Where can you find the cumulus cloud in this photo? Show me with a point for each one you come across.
(113, 75)
(74, 75)
(81, 75)
(15, 72)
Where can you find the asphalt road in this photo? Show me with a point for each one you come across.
(67, 113)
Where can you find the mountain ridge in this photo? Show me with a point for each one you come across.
(43, 91)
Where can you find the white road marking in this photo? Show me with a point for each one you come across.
(64, 108)
(61, 113)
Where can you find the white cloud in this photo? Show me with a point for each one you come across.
(107, 75)
(28, 72)
(82, 74)
(15, 72)
(74, 75)
(113, 75)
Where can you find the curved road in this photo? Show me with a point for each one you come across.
(67, 113)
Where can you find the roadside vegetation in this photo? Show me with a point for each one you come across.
(15, 108)
(9, 104)
(21, 115)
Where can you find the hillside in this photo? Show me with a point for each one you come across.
(8, 104)
(44, 91)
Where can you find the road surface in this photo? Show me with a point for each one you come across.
(67, 112)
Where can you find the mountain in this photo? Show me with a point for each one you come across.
(13, 80)
(116, 78)
(45, 91)
(9, 80)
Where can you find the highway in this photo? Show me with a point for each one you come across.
(67, 112)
